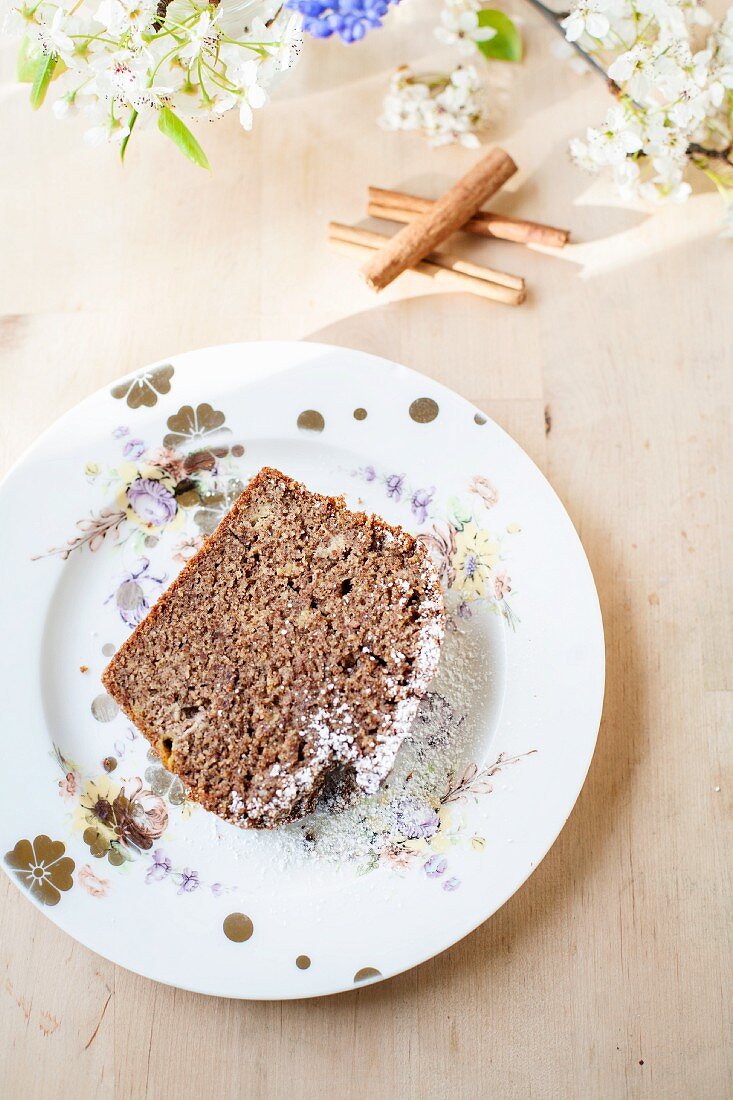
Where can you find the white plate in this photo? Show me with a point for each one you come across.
(118, 859)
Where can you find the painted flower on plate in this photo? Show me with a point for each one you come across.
(502, 586)
(161, 782)
(131, 602)
(133, 448)
(154, 504)
(131, 594)
(416, 820)
(214, 505)
(121, 820)
(395, 855)
(145, 814)
(185, 549)
(169, 460)
(394, 484)
(143, 388)
(94, 885)
(440, 542)
(190, 424)
(484, 489)
(420, 502)
(161, 866)
(475, 556)
(42, 867)
(435, 866)
(188, 881)
(147, 494)
(69, 785)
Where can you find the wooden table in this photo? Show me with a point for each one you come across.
(609, 973)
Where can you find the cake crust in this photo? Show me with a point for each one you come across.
(289, 654)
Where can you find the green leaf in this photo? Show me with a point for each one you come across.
(458, 513)
(27, 61)
(130, 122)
(42, 78)
(368, 867)
(506, 45)
(171, 125)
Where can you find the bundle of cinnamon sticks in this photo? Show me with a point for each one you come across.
(427, 222)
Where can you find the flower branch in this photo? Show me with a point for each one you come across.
(560, 22)
(125, 63)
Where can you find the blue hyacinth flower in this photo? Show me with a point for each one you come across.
(350, 19)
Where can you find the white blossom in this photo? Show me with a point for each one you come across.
(120, 17)
(53, 36)
(254, 95)
(674, 96)
(283, 41)
(612, 142)
(459, 26)
(588, 17)
(581, 155)
(669, 16)
(201, 36)
(445, 108)
(666, 184)
(106, 127)
(626, 178)
(125, 60)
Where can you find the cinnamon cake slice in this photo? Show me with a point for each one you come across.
(290, 653)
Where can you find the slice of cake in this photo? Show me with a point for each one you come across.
(290, 653)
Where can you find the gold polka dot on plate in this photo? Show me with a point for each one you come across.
(238, 927)
(367, 972)
(360, 414)
(104, 707)
(311, 421)
(302, 962)
(423, 410)
(479, 418)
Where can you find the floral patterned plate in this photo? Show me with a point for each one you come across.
(112, 500)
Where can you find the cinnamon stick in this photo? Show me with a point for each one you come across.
(397, 206)
(368, 237)
(445, 277)
(448, 213)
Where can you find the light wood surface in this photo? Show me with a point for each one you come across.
(609, 973)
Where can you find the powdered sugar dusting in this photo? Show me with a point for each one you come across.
(442, 738)
(446, 731)
(330, 739)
